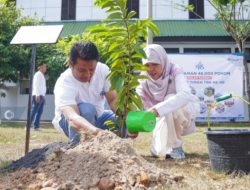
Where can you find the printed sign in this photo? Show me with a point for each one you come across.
(211, 76)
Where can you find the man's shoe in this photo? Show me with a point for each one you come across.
(37, 129)
(176, 153)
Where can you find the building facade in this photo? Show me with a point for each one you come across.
(82, 10)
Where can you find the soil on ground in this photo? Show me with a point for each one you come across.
(101, 162)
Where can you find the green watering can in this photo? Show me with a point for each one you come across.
(140, 121)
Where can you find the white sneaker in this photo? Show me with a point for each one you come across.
(153, 154)
(176, 153)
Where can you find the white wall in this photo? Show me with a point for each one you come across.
(209, 10)
(50, 10)
(85, 10)
(18, 104)
(164, 9)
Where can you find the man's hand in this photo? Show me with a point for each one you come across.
(38, 99)
(96, 132)
(132, 135)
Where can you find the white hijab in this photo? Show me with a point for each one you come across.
(157, 89)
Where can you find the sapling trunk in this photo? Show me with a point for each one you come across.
(124, 37)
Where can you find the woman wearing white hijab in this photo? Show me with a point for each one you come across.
(167, 94)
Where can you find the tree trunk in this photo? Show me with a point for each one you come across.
(247, 87)
(241, 45)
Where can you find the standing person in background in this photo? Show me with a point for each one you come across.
(167, 94)
(38, 95)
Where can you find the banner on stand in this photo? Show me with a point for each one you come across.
(211, 76)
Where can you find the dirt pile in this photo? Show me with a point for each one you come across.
(102, 162)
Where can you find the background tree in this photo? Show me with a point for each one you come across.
(13, 59)
(124, 38)
(235, 15)
(66, 43)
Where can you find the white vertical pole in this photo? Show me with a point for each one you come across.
(149, 15)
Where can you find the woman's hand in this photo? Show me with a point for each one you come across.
(155, 112)
(132, 135)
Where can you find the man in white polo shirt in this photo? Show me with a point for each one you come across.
(38, 95)
(80, 94)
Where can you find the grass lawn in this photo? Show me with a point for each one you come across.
(195, 168)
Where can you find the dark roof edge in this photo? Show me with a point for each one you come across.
(195, 38)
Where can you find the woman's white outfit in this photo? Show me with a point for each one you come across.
(171, 96)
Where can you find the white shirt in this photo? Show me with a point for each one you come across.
(39, 84)
(69, 91)
(182, 98)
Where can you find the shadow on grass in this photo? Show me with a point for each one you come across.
(192, 160)
(203, 156)
(33, 158)
(224, 124)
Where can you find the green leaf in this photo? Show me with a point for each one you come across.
(133, 83)
(153, 28)
(136, 100)
(96, 29)
(140, 67)
(106, 4)
(141, 77)
(140, 51)
(121, 99)
(119, 83)
(131, 14)
(114, 24)
(115, 15)
(112, 9)
(188, 8)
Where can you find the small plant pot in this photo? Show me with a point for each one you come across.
(140, 121)
(229, 150)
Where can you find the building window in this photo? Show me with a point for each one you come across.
(68, 10)
(172, 50)
(25, 85)
(247, 53)
(207, 50)
(133, 5)
(198, 12)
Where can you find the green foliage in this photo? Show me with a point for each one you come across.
(123, 37)
(235, 17)
(66, 43)
(13, 58)
(185, 7)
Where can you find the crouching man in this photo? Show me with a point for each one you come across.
(80, 94)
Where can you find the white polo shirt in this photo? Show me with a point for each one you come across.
(69, 91)
(39, 84)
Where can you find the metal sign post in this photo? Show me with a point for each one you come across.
(149, 15)
(35, 35)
